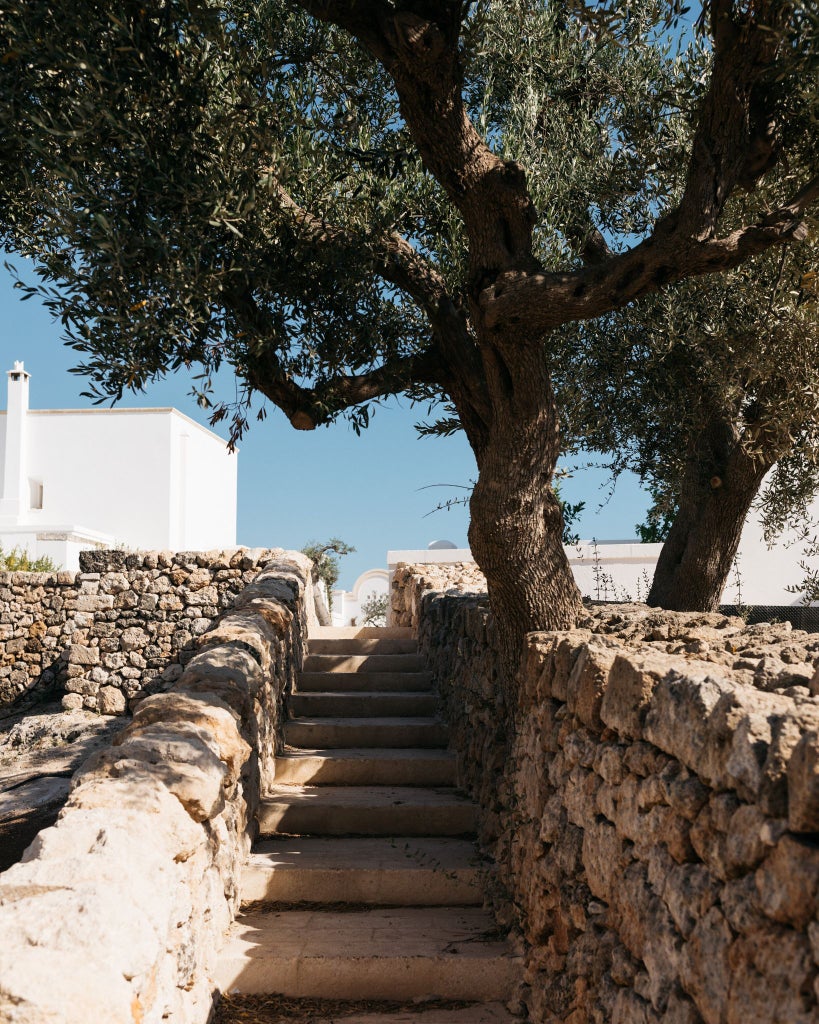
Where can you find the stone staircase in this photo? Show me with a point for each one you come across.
(364, 886)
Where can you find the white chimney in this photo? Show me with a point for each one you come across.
(14, 496)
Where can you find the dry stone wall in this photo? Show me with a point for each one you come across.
(650, 794)
(121, 628)
(411, 582)
(116, 912)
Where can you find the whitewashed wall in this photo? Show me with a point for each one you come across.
(151, 479)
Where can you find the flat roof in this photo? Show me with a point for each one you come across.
(124, 412)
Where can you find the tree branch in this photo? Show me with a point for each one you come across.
(544, 301)
(417, 43)
(733, 143)
(398, 263)
(308, 407)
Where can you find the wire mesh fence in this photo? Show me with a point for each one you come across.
(800, 616)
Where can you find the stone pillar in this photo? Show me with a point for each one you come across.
(14, 495)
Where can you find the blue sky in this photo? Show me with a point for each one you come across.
(373, 491)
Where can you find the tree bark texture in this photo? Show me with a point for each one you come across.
(516, 525)
(721, 482)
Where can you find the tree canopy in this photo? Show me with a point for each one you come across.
(348, 200)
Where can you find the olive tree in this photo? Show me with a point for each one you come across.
(701, 392)
(347, 200)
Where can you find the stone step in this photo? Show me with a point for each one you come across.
(364, 663)
(361, 632)
(362, 705)
(366, 811)
(332, 733)
(403, 954)
(385, 871)
(340, 682)
(365, 767)
(363, 645)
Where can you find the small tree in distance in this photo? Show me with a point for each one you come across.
(325, 558)
(374, 610)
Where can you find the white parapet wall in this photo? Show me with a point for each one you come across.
(623, 570)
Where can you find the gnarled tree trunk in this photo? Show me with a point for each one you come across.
(720, 484)
(516, 524)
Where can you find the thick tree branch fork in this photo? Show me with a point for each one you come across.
(543, 301)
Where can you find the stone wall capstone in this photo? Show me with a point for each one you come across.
(650, 797)
(116, 913)
(120, 629)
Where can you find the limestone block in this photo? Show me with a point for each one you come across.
(631, 682)
(706, 970)
(604, 858)
(114, 583)
(587, 683)
(787, 882)
(72, 702)
(608, 763)
(133, 639)
(580, 788)
(82, 684)
(111, 701)
(39, 987)
(803, 784)
(270, 606)
(178, 757)
(248, 630)
(753, 737)
(214, 717)
(94, 602)
(675, 721)
(566, 650)
(682, 791)
(749, 837)
(771, 976)
(689, 891)
(629, 1008)
(709, 833)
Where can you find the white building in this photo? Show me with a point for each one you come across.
(148, 479)
(347, 604)
(623, 570)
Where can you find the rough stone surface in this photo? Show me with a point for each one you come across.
(649, 796)
(119, 629)
(116, 912)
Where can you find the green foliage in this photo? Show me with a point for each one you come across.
(17, 560)
(808, 586)
(742, 349)
(143, 151)
(571, 512)
(325, 558)
(659, 516)
(374, 610)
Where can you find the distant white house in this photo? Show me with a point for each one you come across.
(623, 570)
(347, 604)
(71, 479)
